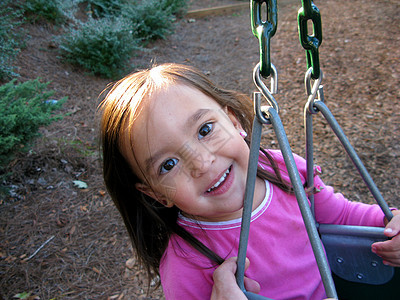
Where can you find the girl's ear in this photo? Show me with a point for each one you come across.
(232, 116)
(147, 190)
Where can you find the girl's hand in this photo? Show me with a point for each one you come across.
(225, 286)
(390, 250)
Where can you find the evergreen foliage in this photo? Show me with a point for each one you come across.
(102, 46)
(117, 28)
(177, 7)
(24, 108)
(49, 10)
(10, 38)
(151, 19)
(106, 8)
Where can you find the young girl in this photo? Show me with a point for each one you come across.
(175, 162)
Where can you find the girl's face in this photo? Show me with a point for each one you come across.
(189, 153)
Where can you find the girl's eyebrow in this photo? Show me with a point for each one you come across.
(196, 116)
(152, 159)
(189, 123)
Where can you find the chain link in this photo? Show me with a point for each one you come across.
(264, 30)
(310, 43)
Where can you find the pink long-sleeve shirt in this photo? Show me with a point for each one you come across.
(280, 254)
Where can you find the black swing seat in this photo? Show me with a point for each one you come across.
(358, 273)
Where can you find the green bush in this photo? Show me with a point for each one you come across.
(177, 7)
(49, 10)
(10, 38)
(105, 43)
(152, 19)
(102, 46)
(24, 108)
(106, 8)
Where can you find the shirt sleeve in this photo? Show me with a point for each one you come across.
(184, 274)
(332, 207)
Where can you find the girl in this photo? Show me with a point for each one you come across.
(175, 163)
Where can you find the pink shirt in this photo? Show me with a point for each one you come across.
(280, 254)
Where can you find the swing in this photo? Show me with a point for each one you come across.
(349, 270)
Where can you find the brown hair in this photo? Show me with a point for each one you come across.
(150, 224)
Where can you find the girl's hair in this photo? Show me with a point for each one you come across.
(149, 223)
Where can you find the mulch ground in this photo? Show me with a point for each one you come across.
(62, 242)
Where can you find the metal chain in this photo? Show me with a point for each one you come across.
(264, 30)
(311, 43)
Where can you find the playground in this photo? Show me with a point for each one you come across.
(62, 241)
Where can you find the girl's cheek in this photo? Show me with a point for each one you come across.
(167, 187)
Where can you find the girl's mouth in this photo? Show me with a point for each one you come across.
(221, 181)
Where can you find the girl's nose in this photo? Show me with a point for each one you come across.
(201, 163)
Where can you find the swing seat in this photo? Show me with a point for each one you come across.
(358, 273)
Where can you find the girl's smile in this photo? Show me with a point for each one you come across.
(188, 152)
(223, 183)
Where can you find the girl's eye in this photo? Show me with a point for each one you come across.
(168, 165)
(205, 130)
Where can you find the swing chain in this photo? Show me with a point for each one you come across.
(310, 43)
(264, 30)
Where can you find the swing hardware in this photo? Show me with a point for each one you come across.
(348, 248)
(359, 238)
(264, 30)
(327, 114)
(263, 88)
(349, 252)
(310, 43)
(249, 193)
(315, 92)
(299, 191)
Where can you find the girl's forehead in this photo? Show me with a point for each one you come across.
(169, 109)
(181, 96)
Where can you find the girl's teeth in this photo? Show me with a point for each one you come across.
(223, 177)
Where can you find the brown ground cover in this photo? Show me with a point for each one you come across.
(88, 247)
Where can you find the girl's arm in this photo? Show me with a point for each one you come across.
(331, 207)
(334, 208)
(390, 250)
